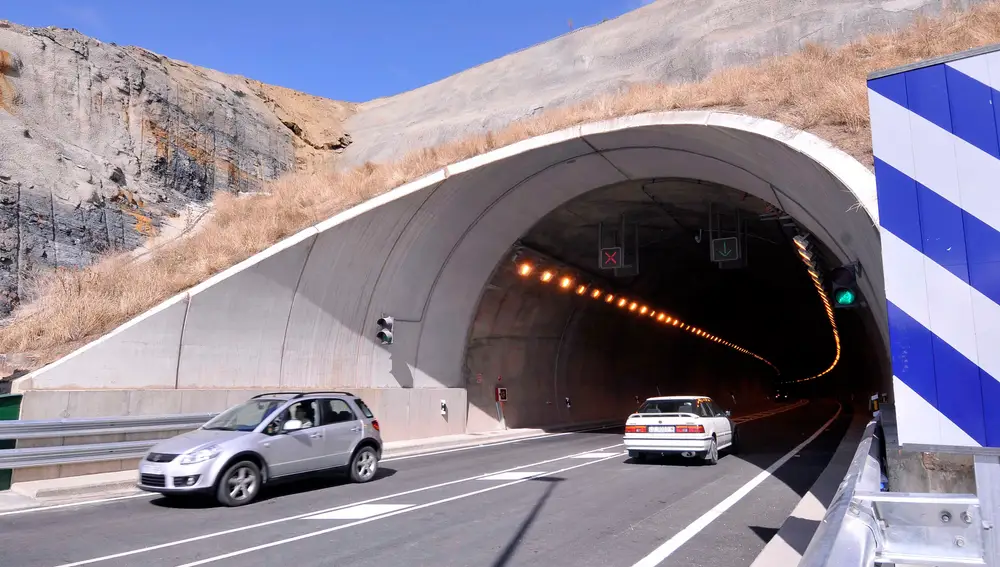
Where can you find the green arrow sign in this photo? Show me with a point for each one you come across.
(725, 249)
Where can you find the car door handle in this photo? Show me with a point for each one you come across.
(355, 429)
(315, 435)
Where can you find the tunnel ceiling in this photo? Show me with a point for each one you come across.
(769, 305)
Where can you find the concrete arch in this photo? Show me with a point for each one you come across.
(301, 314)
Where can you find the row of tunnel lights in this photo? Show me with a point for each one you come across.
(567, 282)
(806, 254)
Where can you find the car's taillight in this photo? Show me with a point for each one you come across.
(690, 429)
(375, 425)
(635, 429)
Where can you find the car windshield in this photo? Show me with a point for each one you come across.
(669, 406)
(244, 417)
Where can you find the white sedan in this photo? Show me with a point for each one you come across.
(688, 425)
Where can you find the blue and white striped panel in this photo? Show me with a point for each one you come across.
(937, 168)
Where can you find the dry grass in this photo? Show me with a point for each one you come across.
(819, 90)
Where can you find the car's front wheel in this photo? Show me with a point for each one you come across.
(364, 465)
(240, 484)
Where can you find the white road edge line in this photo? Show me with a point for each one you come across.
(74, 504)
(483, 445)
(314, 512)
(671, 545)
(390, 514)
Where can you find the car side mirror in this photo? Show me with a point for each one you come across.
(729, 413)
(291, 425)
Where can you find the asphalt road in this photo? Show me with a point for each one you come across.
(572, 499)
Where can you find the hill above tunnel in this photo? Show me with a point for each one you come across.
(622, 67)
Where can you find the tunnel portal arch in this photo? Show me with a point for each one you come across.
(302, 313)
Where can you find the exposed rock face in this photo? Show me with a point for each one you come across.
(101, 145)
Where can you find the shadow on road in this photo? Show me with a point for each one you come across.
(285, 488)
(765, 534)
(797, 533)
(670, 460)
(508, 551)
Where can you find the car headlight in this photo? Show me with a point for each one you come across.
(201, 455)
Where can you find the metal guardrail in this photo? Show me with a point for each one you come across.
(866, 526)
(88, 427)
(844, 538)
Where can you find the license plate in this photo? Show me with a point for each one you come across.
(152, 469)
(661, 428)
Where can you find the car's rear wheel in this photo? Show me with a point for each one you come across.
(364, 465)
(712, 455)
(637, 456)
(239, 485)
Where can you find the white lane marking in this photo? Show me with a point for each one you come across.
(768, 413)
(382, 517)
(359, 512)
(497, 443)
(75, 504)
(313, 513)
(682, 537)
(518, 475)
(594, 455)
(483, 445)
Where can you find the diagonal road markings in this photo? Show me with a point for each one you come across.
(307, 514)
(390, 514)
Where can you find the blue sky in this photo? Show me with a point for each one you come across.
(348, 50)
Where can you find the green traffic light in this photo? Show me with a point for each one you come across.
(845, 297)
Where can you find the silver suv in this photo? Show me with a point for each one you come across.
(269, 437)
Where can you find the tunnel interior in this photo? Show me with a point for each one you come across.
(545, 330)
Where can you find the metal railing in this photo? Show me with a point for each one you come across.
(24, 457)
(865, 525)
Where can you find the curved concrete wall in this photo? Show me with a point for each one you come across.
(301, 314)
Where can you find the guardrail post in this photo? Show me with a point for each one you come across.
(988, 491)
(10, 409)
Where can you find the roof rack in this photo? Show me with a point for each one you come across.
(266, 394)
(296, 395)
(301, 394)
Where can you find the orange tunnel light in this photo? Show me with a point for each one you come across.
(547, 276)
(525, 269)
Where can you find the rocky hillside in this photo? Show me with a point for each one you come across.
(104, 147)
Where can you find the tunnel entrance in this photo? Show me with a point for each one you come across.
(570, 336)
(439, 255)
